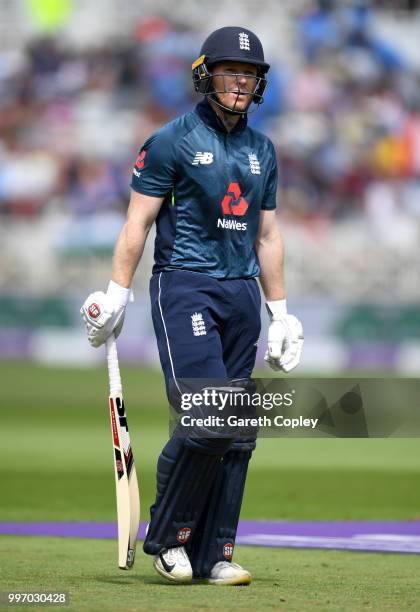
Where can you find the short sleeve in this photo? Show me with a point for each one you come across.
(154, 168)
(270, 192)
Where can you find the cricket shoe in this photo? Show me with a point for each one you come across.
(174, 565)
(229, 574)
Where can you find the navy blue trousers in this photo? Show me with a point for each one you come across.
(206, 328)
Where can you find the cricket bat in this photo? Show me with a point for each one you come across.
(128, 498)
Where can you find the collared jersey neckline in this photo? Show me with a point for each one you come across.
(206, 113)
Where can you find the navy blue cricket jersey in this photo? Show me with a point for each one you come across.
(214, 184)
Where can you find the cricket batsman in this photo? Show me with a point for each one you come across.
(209, 183)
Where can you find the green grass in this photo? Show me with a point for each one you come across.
(283, 579)
(293, 580)
(56, 452)
(56, 464)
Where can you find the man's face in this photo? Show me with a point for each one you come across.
(238, 80)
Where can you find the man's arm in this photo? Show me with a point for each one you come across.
(270, 252)
(285, 334)
(142, 212)
(103, 313)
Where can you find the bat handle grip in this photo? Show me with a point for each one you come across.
(115, 386)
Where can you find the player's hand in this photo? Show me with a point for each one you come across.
(285, 338)
(103, 313)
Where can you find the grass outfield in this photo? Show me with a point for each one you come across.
(56, 461)
(56, 464)
(292, 580)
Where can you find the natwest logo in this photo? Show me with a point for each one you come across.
(233, 203)
(140, 159)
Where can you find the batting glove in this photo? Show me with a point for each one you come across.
(103, 313)
(285, 338)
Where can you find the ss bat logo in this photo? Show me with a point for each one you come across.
(121, 413)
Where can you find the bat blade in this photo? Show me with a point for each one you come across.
(127, 490)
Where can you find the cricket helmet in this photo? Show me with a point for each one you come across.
(230, 44)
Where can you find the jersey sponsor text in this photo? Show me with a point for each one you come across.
(231, 224)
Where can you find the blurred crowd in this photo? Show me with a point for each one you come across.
(71, 121)
(349, 135)
(345, 118)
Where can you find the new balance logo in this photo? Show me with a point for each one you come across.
(202, 158)
(198, 325)
(254, 164)
(244, 41)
